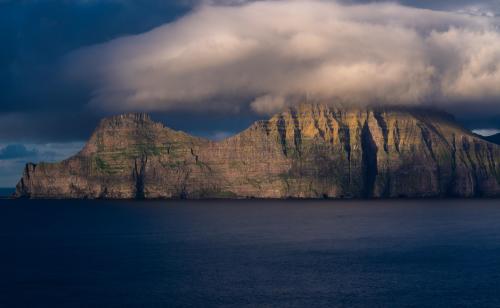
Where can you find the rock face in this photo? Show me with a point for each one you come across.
(310, 151)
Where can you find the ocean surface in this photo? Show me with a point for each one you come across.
(6, 192)
(411, 253)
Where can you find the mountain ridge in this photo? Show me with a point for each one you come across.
(308, 151)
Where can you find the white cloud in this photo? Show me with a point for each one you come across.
(268, 104)
(486, 132)
(269, 54)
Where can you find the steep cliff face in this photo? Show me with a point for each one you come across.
(310, 151)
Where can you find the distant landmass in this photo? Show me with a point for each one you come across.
(309, 151)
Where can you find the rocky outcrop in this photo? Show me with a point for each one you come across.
(310, 151)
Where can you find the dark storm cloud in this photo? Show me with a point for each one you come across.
(35, 35)
(13, 151)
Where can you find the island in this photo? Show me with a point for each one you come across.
(306, 151)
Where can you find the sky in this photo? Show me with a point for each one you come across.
(211, 68)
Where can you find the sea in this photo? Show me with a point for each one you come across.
(6, 192)
(250, 253)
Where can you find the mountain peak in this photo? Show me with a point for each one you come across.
(126, 119)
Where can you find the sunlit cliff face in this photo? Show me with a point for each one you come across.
(270, 54)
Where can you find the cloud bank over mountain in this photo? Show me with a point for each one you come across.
(271, 53)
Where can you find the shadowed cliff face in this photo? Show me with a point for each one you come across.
(310, 151)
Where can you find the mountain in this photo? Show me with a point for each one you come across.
(494, 138)
(309, 151)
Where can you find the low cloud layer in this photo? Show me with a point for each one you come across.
(486, 132)
(268, 54)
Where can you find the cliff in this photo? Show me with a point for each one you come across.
(310, 151)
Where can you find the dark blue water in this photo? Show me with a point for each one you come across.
(6, 192)
(250, 253)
